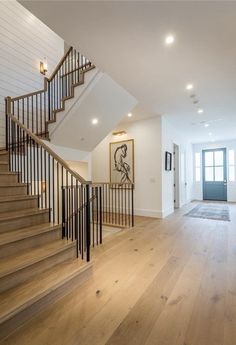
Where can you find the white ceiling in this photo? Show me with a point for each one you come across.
(125, 39)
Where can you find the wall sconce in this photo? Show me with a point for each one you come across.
(43, 66)
(119, 133)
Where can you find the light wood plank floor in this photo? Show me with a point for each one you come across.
(165, 282)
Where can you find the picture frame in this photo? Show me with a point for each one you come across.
(168, 161)
(121, 158)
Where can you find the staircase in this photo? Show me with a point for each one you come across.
(36, 266)
(50, 216)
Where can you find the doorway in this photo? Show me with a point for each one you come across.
(176, 175)
(214, 174)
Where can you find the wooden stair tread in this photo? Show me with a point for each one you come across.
(29, 257)
(4, 216)
(16, 184)
(17, 198)
(19, 298)
(20, 234)
(8, 173)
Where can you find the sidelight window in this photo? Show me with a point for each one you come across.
(231, 165)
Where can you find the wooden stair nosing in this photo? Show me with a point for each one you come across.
(13, 198)
(10, 185)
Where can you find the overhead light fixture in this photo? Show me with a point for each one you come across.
(94, 121)
(119, 133)
(206, 125)
(210, 133)
(169, 40)
(130, 115)
(189, 86)
(43, 66)
(200, 111)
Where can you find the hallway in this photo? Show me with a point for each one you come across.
(164, 282)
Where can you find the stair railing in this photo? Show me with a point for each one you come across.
(80, 206)
(66, 195)
(117, 200)
(35, 110)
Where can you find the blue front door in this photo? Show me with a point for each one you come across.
(214, 174)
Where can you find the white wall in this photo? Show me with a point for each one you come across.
(170, 137)
(153, 185)
(24, 42)
(100, 97)
(73, 155)
(197, 186)
(147, 163)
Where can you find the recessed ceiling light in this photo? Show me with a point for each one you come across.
(130, 115)
(200, 111)
(169, 39)
(94, 121)
(189, 86)
(206, 125)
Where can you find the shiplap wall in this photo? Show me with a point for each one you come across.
(24, 42)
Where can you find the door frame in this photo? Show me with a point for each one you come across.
(225, 170)
(176, 177)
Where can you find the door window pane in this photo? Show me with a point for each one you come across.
(209, 174)
(219, 160)
(219, 174)
(208, 159)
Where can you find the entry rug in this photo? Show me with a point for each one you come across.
(210, 211)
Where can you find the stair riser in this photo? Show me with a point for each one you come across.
(23, 222)
(14, 190)
(24, 274)
(3, 167)
(4, 157)
(8, 179)
(31, 242)
(18, 205)
(52, 296)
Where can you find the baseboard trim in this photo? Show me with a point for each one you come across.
(153, 213)
(148, 213)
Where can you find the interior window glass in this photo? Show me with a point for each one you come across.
(197, 159)
(231, 173)
(198, 176)
(231, 157)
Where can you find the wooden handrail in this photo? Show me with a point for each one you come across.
(59, 64)
(112, 183)
(46, 80)
(43, 145)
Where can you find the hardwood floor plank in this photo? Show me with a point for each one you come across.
(176, 277)
(207, 320)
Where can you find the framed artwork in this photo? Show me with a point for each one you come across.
(122, 161)
(168, 161)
